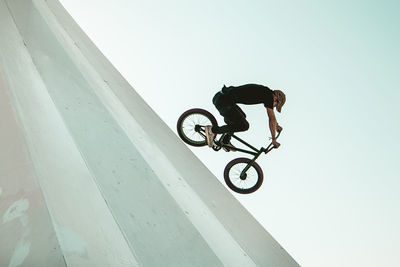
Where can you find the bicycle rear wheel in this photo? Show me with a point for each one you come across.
(190, 126)
(245, 183)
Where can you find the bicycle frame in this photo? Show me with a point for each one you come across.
(256, 152)
(196, 126)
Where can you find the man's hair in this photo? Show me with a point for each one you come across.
(281, 99)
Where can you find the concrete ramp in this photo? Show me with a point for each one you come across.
(90, 175)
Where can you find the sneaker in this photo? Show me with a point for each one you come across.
(226, 141)
(210, 135)
(229, 147)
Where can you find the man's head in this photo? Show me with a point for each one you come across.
(280, 99)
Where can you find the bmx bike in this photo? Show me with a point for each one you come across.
(242, 175)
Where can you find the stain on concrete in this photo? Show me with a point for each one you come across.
(16, 210)
(20, 253)
(72, 242)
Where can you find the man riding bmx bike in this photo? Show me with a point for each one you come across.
(226, 102)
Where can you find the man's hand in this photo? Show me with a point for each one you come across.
(275, 143)
(279, 128)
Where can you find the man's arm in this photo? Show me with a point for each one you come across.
(273, 125)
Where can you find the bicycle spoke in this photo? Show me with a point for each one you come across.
(189, 127)
(251, 176)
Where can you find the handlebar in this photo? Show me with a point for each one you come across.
(271, 146)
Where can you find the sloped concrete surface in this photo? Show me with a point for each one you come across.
(90, 175)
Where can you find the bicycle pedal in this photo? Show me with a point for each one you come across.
(216, 147)
(229, 148)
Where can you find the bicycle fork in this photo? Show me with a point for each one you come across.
(243, 174)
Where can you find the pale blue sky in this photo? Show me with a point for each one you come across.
(331, 193)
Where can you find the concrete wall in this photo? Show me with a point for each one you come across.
(89, 161)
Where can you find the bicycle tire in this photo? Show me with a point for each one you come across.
(232, 179)
(187, 122)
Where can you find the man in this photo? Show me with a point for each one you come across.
(226, 102)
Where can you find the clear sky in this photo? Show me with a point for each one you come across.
(331, 194)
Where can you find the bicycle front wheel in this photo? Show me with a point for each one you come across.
(243, 183)
(190, 126)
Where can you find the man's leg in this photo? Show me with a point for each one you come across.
(234, 118)
(236, 121)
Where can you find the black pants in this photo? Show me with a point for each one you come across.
(233, 115)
